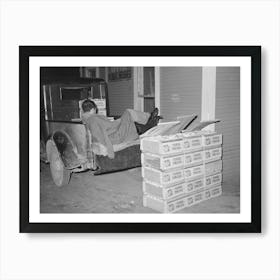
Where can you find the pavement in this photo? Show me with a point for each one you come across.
(118, 192)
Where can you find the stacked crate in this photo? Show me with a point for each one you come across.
(101, 105)
(181, 170)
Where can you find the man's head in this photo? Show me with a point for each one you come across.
(89, 106)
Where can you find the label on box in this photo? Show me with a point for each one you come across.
(100, 103)
(192, 143)
(193, 158)
(172, 147)
(193, 172)
(173, 191)
(173, 162)
(216, 191)
(195, 185)
(212, 140)
(212, 154)
(213, 180)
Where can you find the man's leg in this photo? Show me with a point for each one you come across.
(138, 116)
(147, 123)
(126, 130)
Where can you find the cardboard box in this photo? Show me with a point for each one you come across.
(174, 161)
(102, 112)
(213, 192)
(161, 178)
(195, 185)
(164, 206)
(162, 145)
(212, 154)
(100, 103)
(213, 180)
(194, 158)
(176, 190)
(162, 162)
(213, 167)
(164, 193)
(180, 142)
(179, 203)
(216, 191)
(194, 172)
(212, 140)
(192, 143)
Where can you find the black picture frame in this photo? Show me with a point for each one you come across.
(254, 52)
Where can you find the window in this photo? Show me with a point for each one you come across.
(74, 93)
(119, 73)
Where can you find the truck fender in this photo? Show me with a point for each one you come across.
(66, 149)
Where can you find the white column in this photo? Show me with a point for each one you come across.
(208, 95)
(157, 88)
(106, 74)
(138, 89)
(97, 72)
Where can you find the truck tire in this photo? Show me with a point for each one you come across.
(60, 175)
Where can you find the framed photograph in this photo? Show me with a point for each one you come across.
(157, 139)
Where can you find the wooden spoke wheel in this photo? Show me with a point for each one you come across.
(60, 174)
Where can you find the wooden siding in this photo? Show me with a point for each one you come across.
(180, 91)
(228, 111)
(120, 96)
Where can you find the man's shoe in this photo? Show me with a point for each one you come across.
(142, 128)
(153, 115)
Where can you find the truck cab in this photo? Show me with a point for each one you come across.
(65, 141)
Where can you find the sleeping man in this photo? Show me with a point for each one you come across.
(127, 128)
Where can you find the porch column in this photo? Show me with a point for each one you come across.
(208, 95)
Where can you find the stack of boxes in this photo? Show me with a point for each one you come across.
(181, 170)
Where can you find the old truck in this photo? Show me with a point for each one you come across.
(66, 143)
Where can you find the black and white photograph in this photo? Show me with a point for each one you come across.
(138, 147)
(140, 139)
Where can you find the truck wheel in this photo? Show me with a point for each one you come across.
(60, 174)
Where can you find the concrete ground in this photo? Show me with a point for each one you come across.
(119, 192)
